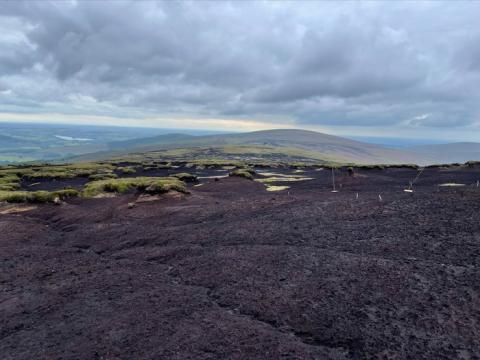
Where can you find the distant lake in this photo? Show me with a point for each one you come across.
(72, 138)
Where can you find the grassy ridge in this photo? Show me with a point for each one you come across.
(36, 196)
(149, 185)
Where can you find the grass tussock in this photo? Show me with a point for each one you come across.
(9, 180)
(150, 185)
(186, 177)
(69, 170)
(36, 196)
(245, 173)
(106, 176)
(126, 169)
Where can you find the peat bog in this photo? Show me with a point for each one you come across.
(232, 271)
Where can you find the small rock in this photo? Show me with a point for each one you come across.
(131, 205)
(57, 201)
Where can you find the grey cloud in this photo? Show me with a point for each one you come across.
(361, 64)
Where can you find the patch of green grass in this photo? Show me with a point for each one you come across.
(36, 196)
(13, 196)
(65, 193)
(126, 169)
(9, 187)
(150, 185)
(9, 178)
(245, 173)
(185, 177)
(102, 176)
(47, 171)
(9, 181)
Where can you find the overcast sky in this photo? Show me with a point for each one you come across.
(370, 68)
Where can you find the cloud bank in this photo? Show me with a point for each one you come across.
(414, 65)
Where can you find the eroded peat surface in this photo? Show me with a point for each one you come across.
(232, 271)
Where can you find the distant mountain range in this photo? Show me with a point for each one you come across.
(321, 145)
(33, 142)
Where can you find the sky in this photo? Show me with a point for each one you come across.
(401, 69)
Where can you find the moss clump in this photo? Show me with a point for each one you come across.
(9, 181)
(13, 196)
(186, 177)
(50, 174)
(66, 193)
(36, 196)
(95, 177)
(245, 173)
(150, 185)
(9, 186)
(126, 170)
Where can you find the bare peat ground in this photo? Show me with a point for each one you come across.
(231, 271)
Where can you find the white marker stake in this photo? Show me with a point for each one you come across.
(333, 181)
(478, 183)
(357, 196)
(410, 188)
(379, 197)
